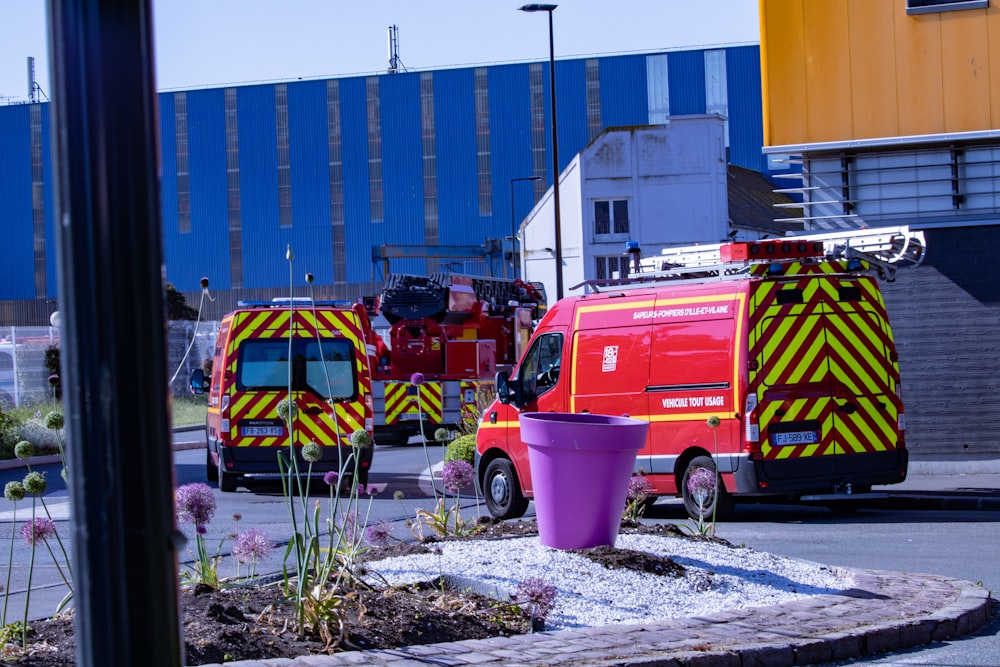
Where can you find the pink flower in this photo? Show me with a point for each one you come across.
(457, 475)
(417, 379)
(37, 530)
(330, 478)
(379, 533)
(195, 503)
(639, 488)
(251, 546)
(701, 480)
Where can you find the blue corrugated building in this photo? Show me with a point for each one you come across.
(334, 167)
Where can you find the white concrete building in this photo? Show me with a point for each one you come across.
(656, 185)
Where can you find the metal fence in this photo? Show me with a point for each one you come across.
(25, 381)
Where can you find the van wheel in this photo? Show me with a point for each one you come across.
(504, 499)
(719, 502)
(227, 480)
(211, 470)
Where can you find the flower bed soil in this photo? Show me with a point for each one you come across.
(257, 622)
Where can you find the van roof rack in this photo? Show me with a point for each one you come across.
(285, 302)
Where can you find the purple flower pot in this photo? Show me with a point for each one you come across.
(581, 465)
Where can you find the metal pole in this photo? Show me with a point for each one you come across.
(555, 162)
(110, 260)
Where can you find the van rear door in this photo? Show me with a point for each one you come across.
(822, 367)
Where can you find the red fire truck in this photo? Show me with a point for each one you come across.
(455, 331)
(771, 362)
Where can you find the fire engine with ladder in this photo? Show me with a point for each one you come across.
(770, 363)
(448, 335)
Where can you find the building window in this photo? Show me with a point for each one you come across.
(284, 156)
(929, 6)
(592, 74)
(610, 216)
(375, 194)
(233, 190)
(657, 89)
(336, 167)
(612, 267)
(485, 179)
(183, 172)
(429, 152)
(536, 91)
(716, 86)
(38, 198)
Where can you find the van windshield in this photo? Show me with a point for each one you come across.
(323, 367)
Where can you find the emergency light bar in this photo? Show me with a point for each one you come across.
(770, 250)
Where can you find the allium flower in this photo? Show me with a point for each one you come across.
(701, 484)
(379, 533)
(34, 483)
(441, 434)
(536, 596)
(251, 546)
(14, 491)
(54, 420)
(330, 478)
(417, 379)
(714, 421)
(237, 516)
(309, 278)
(456, 475)
(361, 439)
(53, 379)
(203, 282)
(285, 406)
(37, 530)
(312, 452)
(398, 495)
(195, 504)
(24, 450)
(639, 488)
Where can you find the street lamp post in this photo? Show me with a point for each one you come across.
(555, 145)
(513, 221)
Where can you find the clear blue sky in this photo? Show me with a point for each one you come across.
(215, 42)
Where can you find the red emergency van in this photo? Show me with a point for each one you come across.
(789, 349)
(318, 354)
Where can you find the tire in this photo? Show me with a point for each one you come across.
(211, 470)
(503, 494)
(227, 480)
(720, 503)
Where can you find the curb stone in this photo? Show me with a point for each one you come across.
(884, 611)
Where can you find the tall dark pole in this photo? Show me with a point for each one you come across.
(513, 221)
(113, 334)
(555, 143)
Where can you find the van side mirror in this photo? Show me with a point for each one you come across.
(199, 384)
(504, 393)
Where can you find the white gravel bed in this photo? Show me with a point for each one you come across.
(718, 578)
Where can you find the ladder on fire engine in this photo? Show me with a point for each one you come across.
(885, 248)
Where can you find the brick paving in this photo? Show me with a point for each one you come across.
(885, 611)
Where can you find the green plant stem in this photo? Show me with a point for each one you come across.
(59, 541)
(55, 561)
(10, 563)
(27, 592)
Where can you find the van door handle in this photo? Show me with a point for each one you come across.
(312, 411)
(848, 408)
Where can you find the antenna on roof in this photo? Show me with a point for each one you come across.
(395, 64)
(35, 91)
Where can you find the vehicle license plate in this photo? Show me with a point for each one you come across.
(794, 438)
(261, 431)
